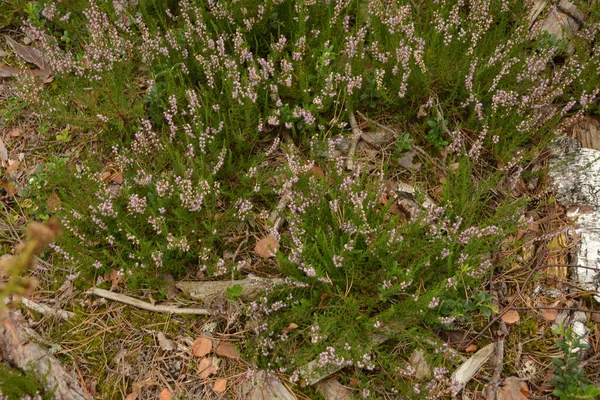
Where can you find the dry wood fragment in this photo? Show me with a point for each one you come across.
(46, 310)
(251, 286)
(18, 345)
(469, 368)
(147, 306)
(356, 134)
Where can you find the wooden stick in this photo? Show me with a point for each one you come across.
(45, 310)
(147, 306)
(356, 134)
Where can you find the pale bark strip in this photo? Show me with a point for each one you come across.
(251, 286)
(47, 310)
(18, 345)
(356, 134)
(147, 306)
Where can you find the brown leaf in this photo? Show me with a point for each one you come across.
(316, 171)
(220, 385)
(117, 177)
(53, 202)
(114, 277)
(206, 368)
(549, 314)
(13, 167)
(6, 71)
(267, 247)
(9, 187)
(514, 389)
(165, 394)
(511, 317)
(471, 348)
(29, 54)
(290, 328)
(229, 350)
(201, 347)
(15, 132)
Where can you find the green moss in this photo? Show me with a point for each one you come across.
(15, 385)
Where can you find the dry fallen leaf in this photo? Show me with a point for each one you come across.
(513, 389)
(29, 54)
(316, 171)
(165, 394)
(53, 202)
(290, 328)
(220, 385)
(549, 314)
(114, 277)
(7, 71)
(471, 348)
(9, 187)
(511, 317)
(15, 133)
(229, 350)
(267, 247)
(206, 368)
(201, 346)
(117, 178)
(164, 343)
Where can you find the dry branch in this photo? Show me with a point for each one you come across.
(47, 310)
(147, 306)
(18, 345)
(356, 134)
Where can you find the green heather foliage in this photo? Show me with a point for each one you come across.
(188, 102)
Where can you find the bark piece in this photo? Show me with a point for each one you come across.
(18, 346)
(575, 172)
(265, 387)
(469, 368)
(251, 286)
(47, 310)
(332, 389)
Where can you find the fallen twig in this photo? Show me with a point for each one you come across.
(147, 306)
(47, 310)
(356, 134)
(494, 384)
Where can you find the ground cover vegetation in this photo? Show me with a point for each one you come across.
(174, 129)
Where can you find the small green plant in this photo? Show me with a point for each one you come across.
(234, 292)
(403, 143)
(12, 110)
(436, 132)
(64, 135)
(569, 380)
(465, 308)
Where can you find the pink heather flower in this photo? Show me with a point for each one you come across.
(137, 204)
(434, 302)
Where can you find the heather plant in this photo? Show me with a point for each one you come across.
(182, 107)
